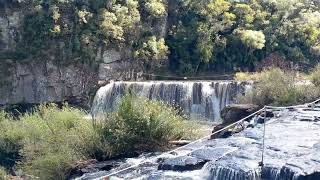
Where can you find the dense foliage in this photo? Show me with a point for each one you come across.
(201, 34)
(3, 174)
(276, 87)
(140, 124)
(75, 30)
(230, 34)
(315, 75)
(48, 142)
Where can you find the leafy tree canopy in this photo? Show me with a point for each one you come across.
(201, 35)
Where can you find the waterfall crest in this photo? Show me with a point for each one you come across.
(201, 100)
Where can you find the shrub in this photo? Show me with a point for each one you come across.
(276, 87)
(246, 76)
(46, 142)
(315, 76)
(11, 138)
(143, 125)
(307, 93)
(54, 139)
(3, 174)
(155, 8)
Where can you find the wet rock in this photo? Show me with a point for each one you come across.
(260, 120)
(181, 163)
(288, 172)
(313, 176)
(222, 134)
(269, 113)
(212, 154)
(234, 112)
(91, 166)
(228, 170)
(255, 134)
(225, 133)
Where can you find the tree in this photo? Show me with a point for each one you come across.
(119, 20)
(109, 26)
(252, 39)
(152, 52)
(155, 8)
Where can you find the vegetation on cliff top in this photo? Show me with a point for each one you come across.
(277, 87)
(48, 142)
(201, 34)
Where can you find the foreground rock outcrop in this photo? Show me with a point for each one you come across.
(292, 152)
(234, 112)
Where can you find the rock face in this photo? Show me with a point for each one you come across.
(10, 23)
(234, 112)
(43, 78)
(37, 82)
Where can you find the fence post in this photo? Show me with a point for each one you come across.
(263, 136)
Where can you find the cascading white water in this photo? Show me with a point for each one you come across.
(217, 172)
(201, 100)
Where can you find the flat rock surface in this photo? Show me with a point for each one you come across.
(292, 151)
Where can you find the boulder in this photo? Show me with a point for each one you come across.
(181, 163)
(91, 166)
(222, 134)
(234, 112)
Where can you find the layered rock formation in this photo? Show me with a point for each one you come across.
(37, 82)
(54, 75)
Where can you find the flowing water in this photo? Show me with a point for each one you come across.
(200, 100)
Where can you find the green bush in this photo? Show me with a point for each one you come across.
(307, 93)
(54, 139)
(143, 125)
(315, 76)
(3, 174)
(11, 137)
(275, 87)
(47, 142)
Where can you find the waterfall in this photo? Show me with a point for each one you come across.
(218, 172)
(201, 100)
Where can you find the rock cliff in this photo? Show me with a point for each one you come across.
(38, 82)
(40, 79)
(55, 74)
